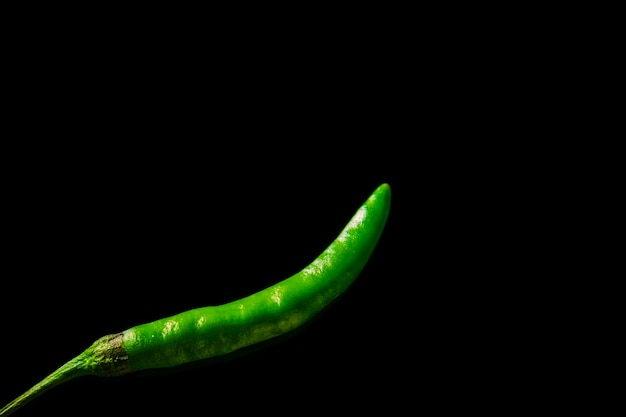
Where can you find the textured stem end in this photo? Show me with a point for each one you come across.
(107, 356)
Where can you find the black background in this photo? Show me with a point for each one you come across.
(98, 244)
(143, 183)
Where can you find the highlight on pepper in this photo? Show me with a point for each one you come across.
(212, 331)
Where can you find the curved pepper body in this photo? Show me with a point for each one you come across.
(216, 330)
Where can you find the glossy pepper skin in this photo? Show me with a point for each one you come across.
(211, 331)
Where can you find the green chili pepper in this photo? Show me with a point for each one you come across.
(217, 330)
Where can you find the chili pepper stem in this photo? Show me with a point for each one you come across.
(70, 370)
(105, 357)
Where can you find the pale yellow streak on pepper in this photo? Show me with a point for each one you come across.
(169, 327)
(277, 295)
